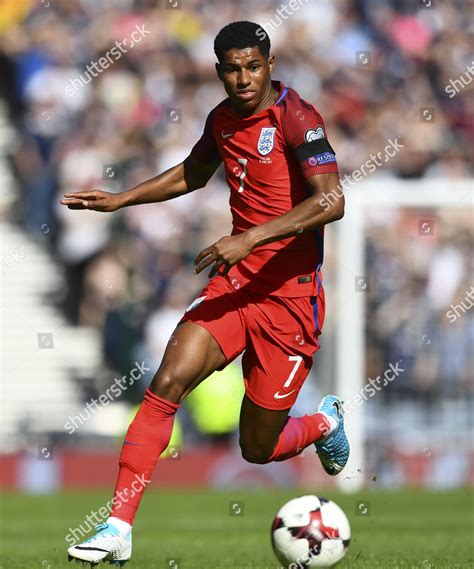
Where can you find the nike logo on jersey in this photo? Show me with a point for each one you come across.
(278, 395)
(225, 136)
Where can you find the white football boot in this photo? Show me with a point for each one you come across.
(107, 544)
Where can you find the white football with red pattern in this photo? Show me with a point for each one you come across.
(310, 532)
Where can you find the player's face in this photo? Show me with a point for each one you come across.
(246, 75)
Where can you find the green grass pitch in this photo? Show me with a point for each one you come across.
(400, 530)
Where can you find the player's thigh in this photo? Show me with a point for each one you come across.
(209, 336)
(191, 355)
(259, 430)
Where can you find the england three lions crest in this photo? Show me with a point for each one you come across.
(266, 140)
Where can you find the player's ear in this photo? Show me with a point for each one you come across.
(271, 63)
(218, 70)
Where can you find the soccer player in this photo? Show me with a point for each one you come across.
(265, 297)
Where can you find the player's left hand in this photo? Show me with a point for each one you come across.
(226, 252)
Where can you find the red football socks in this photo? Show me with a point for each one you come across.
(298, 433)
(147, 437)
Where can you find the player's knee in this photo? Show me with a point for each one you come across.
(167, 386)
(255, 454)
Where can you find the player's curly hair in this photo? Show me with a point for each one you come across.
(239, 35)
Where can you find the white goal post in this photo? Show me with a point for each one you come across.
(350, 341)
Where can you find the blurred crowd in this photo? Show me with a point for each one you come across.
(376, 70)
(419, 305)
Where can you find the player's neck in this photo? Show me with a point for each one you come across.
(268, 100)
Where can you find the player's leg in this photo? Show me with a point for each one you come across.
(259, 431)
(268, 435)
(283, 339)
(192, 355)
(210, 335)
(271, 435)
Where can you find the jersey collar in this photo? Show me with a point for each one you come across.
(282, 90)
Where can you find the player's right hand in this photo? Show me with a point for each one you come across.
(95, 200)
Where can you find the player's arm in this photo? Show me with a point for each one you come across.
(192, 174)
(325, 205)
(184, 178)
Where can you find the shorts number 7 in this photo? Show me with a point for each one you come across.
(291, 377)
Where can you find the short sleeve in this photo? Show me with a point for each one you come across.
(305, 134)
(206, 150)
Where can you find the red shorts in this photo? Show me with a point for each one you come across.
(277, 335)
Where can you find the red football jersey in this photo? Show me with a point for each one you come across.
(267, 158)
